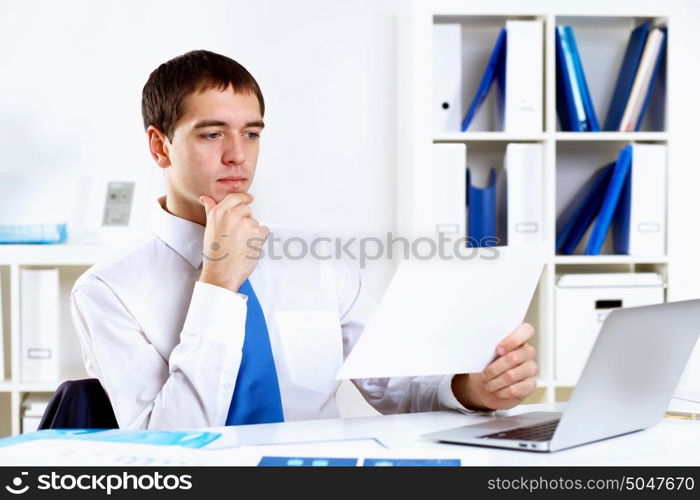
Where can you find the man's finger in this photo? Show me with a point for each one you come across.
(515, 339)
(243, 209)
(233, 199)
(208, 203)
(508, 361)
(512, 376)
(520, 390)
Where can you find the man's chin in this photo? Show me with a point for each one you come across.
(223, 191)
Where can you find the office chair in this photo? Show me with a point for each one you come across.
(79, 404)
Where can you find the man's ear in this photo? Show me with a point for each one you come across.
(158, 144)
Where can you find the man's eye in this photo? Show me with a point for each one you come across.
(212, 135)
(252, 135)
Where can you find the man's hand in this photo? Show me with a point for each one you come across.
(506, 381)
(233, 240)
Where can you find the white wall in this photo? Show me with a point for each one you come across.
(71, 74)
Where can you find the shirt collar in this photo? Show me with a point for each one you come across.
(185, 237)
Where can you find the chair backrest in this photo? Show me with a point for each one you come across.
(79, 404)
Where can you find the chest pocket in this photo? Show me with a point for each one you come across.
(313, 347)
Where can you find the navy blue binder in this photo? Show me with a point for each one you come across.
(495, 71)
(625, 78)
(581, 213)
(481, 219)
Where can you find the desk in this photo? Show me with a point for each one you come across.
(671, 442)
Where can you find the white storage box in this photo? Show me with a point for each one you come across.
(583, 301)
(33, 408)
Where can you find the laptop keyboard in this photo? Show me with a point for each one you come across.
(539, 432)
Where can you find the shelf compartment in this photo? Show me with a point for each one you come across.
(602, 41)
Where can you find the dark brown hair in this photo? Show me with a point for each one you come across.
(168, 85)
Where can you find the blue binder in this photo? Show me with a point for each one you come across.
(612, 197)
(592, 124)
(574, 103)
(657, 67)
(495, 70)
(621, 219)
(580, 215)
(571, 116)
(481, 219)
(625, 78)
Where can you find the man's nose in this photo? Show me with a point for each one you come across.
(234, 153)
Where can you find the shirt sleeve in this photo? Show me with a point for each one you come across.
(190, 389)
(395, 394)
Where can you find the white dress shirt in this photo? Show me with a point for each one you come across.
(167, 348)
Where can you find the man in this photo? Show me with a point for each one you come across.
(194, 327)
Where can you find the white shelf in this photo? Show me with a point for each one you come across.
(563, 385)
(608, 259)
(36, 386)
(29, 386)
(542, 383)
(557, 136)
(488, 136)
(70, 259)
(602, 37)
(611, 136)
(59, 255)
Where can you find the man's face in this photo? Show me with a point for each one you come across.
(215, 145)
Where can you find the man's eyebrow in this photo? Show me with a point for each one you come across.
(219, 123)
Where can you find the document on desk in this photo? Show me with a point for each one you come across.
(186, 439)
(52, 452)
(444, 316)
(344, 453)
(363, 452)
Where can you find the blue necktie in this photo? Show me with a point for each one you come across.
(256, 397)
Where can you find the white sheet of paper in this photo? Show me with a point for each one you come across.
(447, 316)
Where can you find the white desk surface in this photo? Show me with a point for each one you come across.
(671, 442)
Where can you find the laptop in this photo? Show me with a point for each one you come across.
(626, 384)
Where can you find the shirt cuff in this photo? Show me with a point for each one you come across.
(448, 401)
(216, 313)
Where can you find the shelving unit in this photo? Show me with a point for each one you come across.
(602, 39)
(71, 261)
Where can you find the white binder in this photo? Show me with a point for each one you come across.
(524, 77)
(39, 325)
(449, 195)
(447, 77)
(524, 178)
(647, 203)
